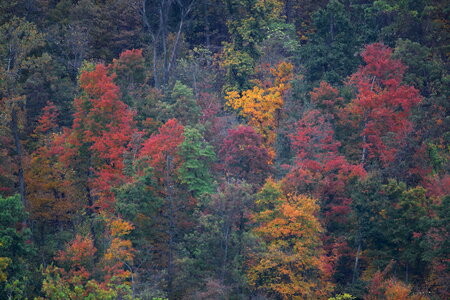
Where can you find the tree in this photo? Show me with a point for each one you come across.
(327, 99)
(130, 71)
(51, 192)
(197, 156)
(20, 38)
(222, 239)
(162, 152)
(248, 22)
(319, 169)
(330, 47)
(16, 250)
(392, 223)
(382, 106)
(390, 288)
(437, 250)
(80, 275)
(262, 105)
(290, 264)
(181, 105)
(244, 155)
(102, 129)
(163, 146)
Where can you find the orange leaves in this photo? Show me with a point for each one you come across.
(259, 106)
(293, 217)
(391, 289)
(79, 263)
(120, 253)
(290, 266)
(119, 227)
(262, 104)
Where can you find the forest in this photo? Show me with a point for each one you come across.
(225, 149)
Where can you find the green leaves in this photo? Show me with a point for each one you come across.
(15, 247)
(198, 157)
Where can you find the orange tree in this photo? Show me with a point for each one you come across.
(289, 265)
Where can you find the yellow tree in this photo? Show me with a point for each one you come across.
(262, 104)
(290, 266)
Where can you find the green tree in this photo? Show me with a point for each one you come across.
(181, 105)
(16, 250)
(198, 156)
(330, 51)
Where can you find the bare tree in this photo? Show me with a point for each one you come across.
(157, 20)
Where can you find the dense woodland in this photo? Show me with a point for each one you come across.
(224, 149)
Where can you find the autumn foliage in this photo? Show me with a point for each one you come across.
(381, 109)
(262, 105)
(244, 154)
(291, 266)
(251, 149)
(101, 131)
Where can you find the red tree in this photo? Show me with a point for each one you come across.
(130, 71)
(327, 98)
(319, 169)
(101, 131)
(382, 105)
(244, 155)
(163, 145)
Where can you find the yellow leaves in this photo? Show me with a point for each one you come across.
(120, 250)
(261, 104)
(290, 266)
(283, 75)
(120, 227)
(4, 263)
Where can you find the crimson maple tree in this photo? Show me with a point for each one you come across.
(102, 128)
(244, 154)
(163, 145)
(382, 106)
(319, 169)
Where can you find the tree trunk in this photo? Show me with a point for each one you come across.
(355, 267)
(18, 145)
(171, 229)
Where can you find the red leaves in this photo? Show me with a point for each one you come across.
(326, 98)
(129, 60)
(103, 126)
(380, 67)
(382, 106)
(47, 121)
(163, 144)
(317, 152)
(78, 258)
(244, 155)
(130, 68)
(319, 168)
